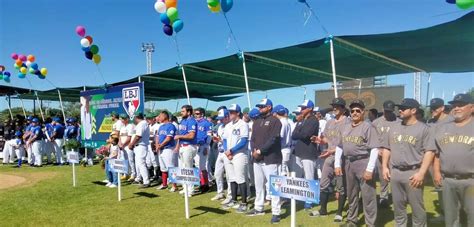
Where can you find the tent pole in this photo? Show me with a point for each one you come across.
(61, 103)
(428, 89)
(41, 110)
(10, 106)
(207, 104)
(185, 84)
(246, 80)
(333, 65)
(22, 106)
(177, 105)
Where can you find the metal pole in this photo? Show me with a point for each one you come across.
(119, 187)
(34, 107)
(22, 106)
(73, 175)
(360, 87)
(246, 80)
(428, 89)
(41, 110)
(207, 104)
(185, 84)
(61, 103)
(333, 65)
(10, 107)
(293, 206)
(186, 200)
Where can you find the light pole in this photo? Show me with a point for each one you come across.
(148, 48)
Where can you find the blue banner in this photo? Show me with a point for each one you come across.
(97, 106)
(295, 188)
(178, 175)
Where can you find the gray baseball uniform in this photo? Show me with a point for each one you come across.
(456, 151)
(407, 145)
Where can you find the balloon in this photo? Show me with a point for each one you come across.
(31, 58)
(164, 18)
(44, 71)
(22, 57)
(178, 25)
(170, 3)
(226, 5)
(96, 58)
(14, 56)
(28, 63)
(160, 7)
(16, 66)
(31, 71)
(34, 66)
(81, 31)
(21, 75)
(172, 14)
(23, 70)
(41, 77)
(94, 49)
(89, 55)
(302, 1)
(2, 68)
(451, 1)
(215, 9)
(1, 76)
(6, 79)
(6, 74)
(90, 39)
(85, 49)
(212, 3)
(168, 30)
(464, 4)
(37, 72)
(19, 62)
(85, 42)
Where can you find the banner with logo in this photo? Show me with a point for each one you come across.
(118, 165)
(184, 175)
(295, 188)
(98, 105)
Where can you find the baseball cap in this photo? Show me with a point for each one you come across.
(150, 115)
(115, 114)
(123, 116)
(72, 120)
(307, 104)
(223, 113)
(234, 108)
(265, 102)
(462, 98)
(410, 103)
(254, 113)
(338, 102)
(139, 115)
(29, 118)
(56, 119)
(316, 109)
(358, 103)
(287, 111)
(279, 109)
(389, 105)
(297, 110)
(17, 133)
(35, 120)
(436, 103)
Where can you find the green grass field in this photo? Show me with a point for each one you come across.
(48, 199)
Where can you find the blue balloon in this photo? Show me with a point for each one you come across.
(6, 79)
(34, 65)
(85, 49)
(302, 1)
(164, 19)
(178, 25)
(21, 75)
(6, 74)
(226, 5)
(41, 76)
(37, 72)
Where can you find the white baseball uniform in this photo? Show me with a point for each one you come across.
(141, 149)
(125, 132)
(234, 132)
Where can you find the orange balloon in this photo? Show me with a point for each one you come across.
(19, 62)
(170, 3)
(31, 58)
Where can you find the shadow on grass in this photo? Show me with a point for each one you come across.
(209, 209)
(99, 183)
(146, 194)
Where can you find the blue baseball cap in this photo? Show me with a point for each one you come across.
(279, 109)
(72, 120)
(56, 119)
(287, 111)
(223, 113)
(265, 102)
(17, 133)
(234, 108)
(254, 113)
(307, 104)
(29, 118)
(35, 120)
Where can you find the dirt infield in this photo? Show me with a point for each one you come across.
(23, 179)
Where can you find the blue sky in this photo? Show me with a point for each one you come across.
(46, 28)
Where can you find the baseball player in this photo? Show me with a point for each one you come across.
(117, 123)
(26, 136)
(164, 142)
(328, 141)
(456, 154)
(266, 151)
(18, 147)
(139, 144)
(187, 141)
(235, 141)
(8, 151)
(253, 115)
(203, 136)
(152, 157)
(47, 145)
(359, 142)
(223, 117)
(285, 134)
(35, 141)
(383, 125)
(126, 133)
(57, 139)
(438, 113)
(410, 148)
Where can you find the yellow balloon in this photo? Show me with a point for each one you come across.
(23, 70)
(96, 58)
(215, 9)
(44, 71)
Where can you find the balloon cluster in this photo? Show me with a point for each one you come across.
(215, 6)
(26, 64)
(4, 75)
(169, 16)
(91, 51)
(462, 4)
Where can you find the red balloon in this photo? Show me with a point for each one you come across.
(90, 39)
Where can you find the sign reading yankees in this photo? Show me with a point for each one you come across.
(295, 188)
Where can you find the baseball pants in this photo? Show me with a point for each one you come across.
(262, 175)
(186, 156)
(356, 184)
(285, 162)
(131, 162)
(327, 175)
(58, 150)
(48, 148)
(384, 185)
(200, 160)
(141, 152)
(458, 194)
(29, 151)
(168, 158)
(151, 158)
(36, 150)
(219, 174)
(403, 194)
(8, 151)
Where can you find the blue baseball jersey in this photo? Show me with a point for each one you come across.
(204, 129)
(165, 130)
(28, 129)
(71, 132)
(186, 126)
(49, 129)
(59, 130)
(38, 132)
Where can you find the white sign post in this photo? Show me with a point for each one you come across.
(119, 166)
(186, 177)
(293, 206)
(73, 157)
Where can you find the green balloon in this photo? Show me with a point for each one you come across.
(465, 4)
(1, 76)
(213, 3)
(94, 49)
(172, 14)
(31, 70)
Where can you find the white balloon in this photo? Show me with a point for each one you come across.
(85, 42)
(28, 63)
(160, 7)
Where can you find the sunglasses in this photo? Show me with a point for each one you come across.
(356, 111)
(198, 114)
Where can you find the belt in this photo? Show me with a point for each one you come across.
(186, 144)
(407, 167)
(460, 176)
(353, 158)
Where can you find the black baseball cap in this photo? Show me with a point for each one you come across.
(389, 105)
(338, 102)
(462, 98)
(123, 116)
(436, 103)
(410, 103)
(358, 103)
(140, 115)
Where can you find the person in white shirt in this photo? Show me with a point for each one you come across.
(117, 123)
(223, 117)
(126, 133)
(152, 156)
(139, 144)
(285, 134)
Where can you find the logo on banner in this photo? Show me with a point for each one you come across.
(276, 183)
(131, 100)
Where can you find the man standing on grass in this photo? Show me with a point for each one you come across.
(126, 133)
(164, 143)
(203, 136)
(139, 144)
